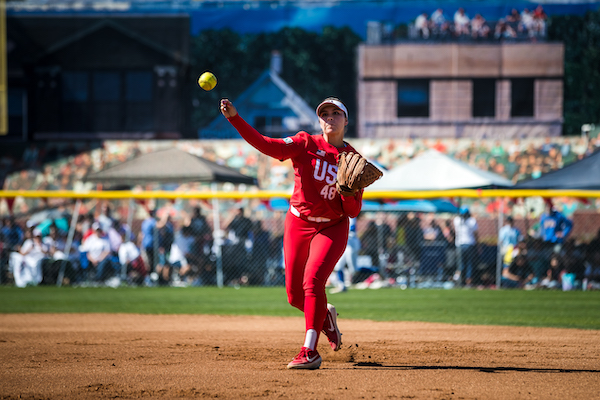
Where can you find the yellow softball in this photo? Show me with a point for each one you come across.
(207, 81)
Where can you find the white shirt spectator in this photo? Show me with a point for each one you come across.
(465, 230)
(128, 252)
(180, 247)
(26, 264)
(422, 25)
(33, 251)
(461, 22)
(527, 19)
(95, 246)
(114, 239)
(55, 247)
(437, 17)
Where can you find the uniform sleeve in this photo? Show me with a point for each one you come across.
(280, 149)
(352, 204)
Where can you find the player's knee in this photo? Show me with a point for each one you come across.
(296, 300)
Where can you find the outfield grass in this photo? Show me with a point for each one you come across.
(574, 309)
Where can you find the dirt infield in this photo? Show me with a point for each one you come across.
(79, 356)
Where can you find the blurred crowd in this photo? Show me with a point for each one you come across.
(175, 244)
(169, 246)
(527, 24)
(35, 241)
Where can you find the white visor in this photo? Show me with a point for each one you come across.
(336, 103)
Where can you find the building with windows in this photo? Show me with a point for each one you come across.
(481, 90)
(98, 77)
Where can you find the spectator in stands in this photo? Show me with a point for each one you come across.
(375, 242)
(552, 278)
(523, 172)
(131, 259)
(11, 237)
(504, 31)
(595, 242)
(432, 232)
(513, 20)
(422, 25)
(461, 22)
(526, 22)
(261, 240)
(554, 227)
(466, 229)
(112, 228)
(27, 262)
(166, 235)
(235, 252)
(539, 22)
(508, 238)
(574, 255)
(518, 274)
(180, 257)
(201, 249)
(479, 27)
(97, 249)
(413, 233)
(156, 239)
(438, 22)
(198, 224)
(58, 259)
(86, 226)
(591, 278)
(12, 234)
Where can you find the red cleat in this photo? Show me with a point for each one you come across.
(306, 359)
(330, 328)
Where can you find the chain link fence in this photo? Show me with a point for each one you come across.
(224, 242)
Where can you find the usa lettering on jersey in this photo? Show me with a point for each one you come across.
(327, 173)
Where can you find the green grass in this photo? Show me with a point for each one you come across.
(574, 309)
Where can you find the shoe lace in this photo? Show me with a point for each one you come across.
(303, 352)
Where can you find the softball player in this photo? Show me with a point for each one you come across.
(316, 225)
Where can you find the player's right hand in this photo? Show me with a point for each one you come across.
(228, 109)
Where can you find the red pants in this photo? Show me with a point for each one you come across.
(311, 250)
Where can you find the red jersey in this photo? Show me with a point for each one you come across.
(315, 170)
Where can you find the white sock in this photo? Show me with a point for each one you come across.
(310, 339)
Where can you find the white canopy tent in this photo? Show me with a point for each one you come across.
(436, 171)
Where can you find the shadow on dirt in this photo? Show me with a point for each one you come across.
(376, 365)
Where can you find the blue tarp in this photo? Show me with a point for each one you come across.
(271, 16)
(427, 206)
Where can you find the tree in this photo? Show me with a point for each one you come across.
(581, 36)
(315, 66)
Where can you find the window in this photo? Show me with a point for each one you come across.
(138, 86)
(260, 123)
(107, 86)
(17, 100)
(107, 101)
(484, 97)
(413, 98)
(269, 126)
(521, 97)
(75, 86)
